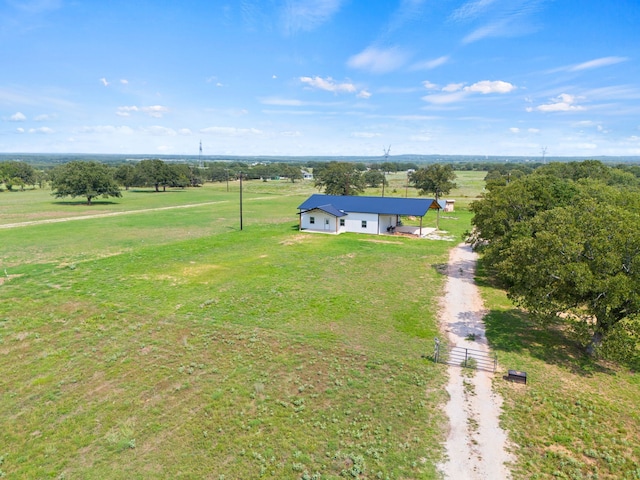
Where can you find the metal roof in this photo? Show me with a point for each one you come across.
(382, 205)
(331, 210)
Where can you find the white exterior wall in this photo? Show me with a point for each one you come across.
(320, 222)
(354, 223)
(376, 224)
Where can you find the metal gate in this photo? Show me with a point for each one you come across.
(465, 357)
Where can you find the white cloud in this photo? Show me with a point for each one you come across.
(291, 134)
(306, 15)
(533, 130)
(376, 60)
(444, 98)
(19, 130)
(232, 131)
(430, 64)
(452, 87)
(487, 86)
(124, 81)
(44, 117)
(41, 130)
(429, 85)
(104, 82)
(328, 84)
(105, 129)
(364, 94)
(562, 103)
(155, 111)
(471, 9)
(18, 117)
(126, 110)
(455, 92)
(514, 130)
(597, 63)
(185, 131)
(498, 18)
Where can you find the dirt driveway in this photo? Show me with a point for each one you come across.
(476, 446)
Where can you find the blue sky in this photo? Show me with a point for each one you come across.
(320, 77)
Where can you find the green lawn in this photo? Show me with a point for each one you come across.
(170, 344)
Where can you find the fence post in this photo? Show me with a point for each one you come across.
(466, 354)
(436, 351)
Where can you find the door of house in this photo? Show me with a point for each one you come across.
(326, 224)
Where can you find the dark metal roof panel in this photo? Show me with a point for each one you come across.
(331, 210)
(383, 205)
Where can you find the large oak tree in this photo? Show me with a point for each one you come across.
(581, 262)
(84, 179)
(339, 178)
(434, 179)
(565, 243)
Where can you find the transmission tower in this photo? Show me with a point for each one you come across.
(386, 159)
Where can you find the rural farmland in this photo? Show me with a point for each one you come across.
(149, 337)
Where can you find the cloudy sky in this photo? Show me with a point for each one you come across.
(320, 77)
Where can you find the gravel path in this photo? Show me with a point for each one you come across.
(476, 446)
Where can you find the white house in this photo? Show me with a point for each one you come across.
(373, 215)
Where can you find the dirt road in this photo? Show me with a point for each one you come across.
(476, 446)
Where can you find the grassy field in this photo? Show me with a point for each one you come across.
(163, 342)
(167, 343)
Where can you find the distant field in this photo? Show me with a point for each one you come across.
(170, 344)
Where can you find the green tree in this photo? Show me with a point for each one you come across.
(339, 178)
(434, 179)
(14, 173)
(292, 172)
(216, 172)
(125, 175)
(84, 179)
(582, 262)
(375, 178)
(505, 206)
(154, 173)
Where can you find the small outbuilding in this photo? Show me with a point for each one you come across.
(360, 214)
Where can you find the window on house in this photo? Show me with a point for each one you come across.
(342, 222)
(312, 220)
(364, 224)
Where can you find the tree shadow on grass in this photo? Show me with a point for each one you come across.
(84, 203)
(152, 190)
(515, 331)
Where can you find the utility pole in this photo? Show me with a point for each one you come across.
(240, 200)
